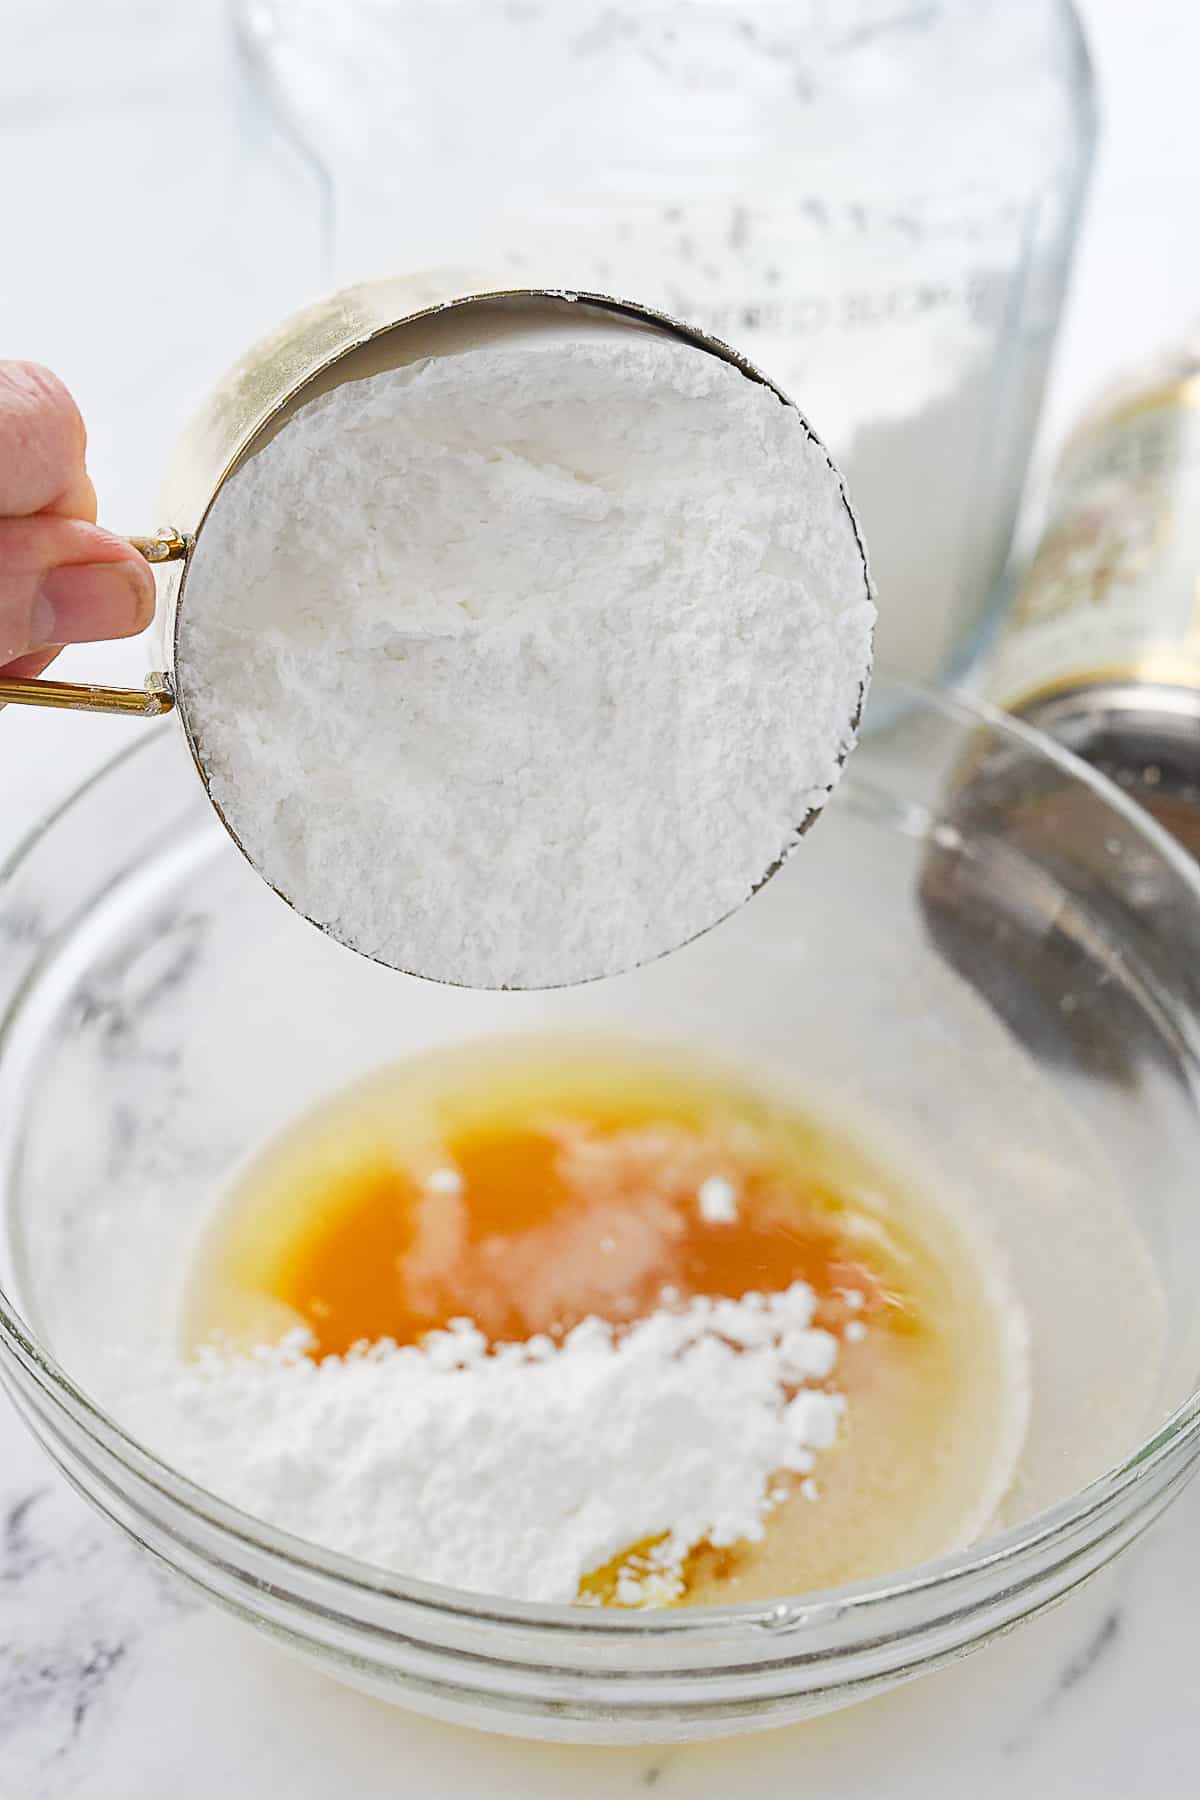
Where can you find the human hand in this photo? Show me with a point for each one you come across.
(62, 579)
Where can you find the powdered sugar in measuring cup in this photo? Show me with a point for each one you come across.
(524, 636)
(525, 661)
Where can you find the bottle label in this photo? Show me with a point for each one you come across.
(1113, 592)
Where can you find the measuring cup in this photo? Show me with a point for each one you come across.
(354, 333)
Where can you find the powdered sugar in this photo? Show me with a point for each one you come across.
(524, 664)
(514, 1471)
(718, 1201)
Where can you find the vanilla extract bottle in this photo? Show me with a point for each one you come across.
(1027, 867)
(1102, 648)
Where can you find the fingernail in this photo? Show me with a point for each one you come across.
(80, 603)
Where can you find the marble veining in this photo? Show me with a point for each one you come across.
(79, 1607)
(1102, 1640)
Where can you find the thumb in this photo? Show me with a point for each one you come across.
(64, 581)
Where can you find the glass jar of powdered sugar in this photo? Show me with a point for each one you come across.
(874, 199)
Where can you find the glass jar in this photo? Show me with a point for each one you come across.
(875, 200)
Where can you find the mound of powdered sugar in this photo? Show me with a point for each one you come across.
(524, 664)
(519, 1470)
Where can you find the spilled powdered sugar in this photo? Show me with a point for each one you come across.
(524, 664)
(514, 1470)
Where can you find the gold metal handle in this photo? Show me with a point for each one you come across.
(84, 696)
(167, 545)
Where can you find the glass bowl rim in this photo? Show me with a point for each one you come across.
(993, 1555)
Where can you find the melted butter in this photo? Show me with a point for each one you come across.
(527, 1185)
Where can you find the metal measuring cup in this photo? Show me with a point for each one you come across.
(354, 333)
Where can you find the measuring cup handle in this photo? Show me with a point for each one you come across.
(84, 696)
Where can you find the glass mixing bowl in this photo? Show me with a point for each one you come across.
(982, 941)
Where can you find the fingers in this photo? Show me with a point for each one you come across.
(42, 445)
(64, 581)
(28, 666)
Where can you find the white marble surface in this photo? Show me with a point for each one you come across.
(148, 237)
